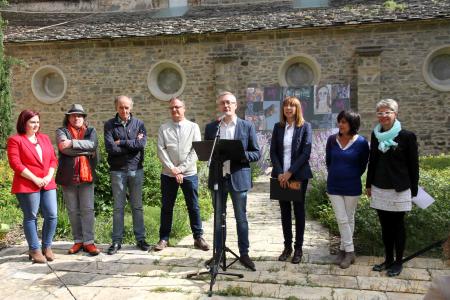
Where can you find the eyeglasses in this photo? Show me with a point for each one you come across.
(385, 113)
(226, 102)
(175, 107)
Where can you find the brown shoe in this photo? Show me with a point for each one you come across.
(348, 260)
(339, 257)
(75, 248)
(36, 256)
(48, 253)
(161, 245)
(200, 243)
(91, 249)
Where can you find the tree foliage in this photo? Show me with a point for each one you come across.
(5, 90)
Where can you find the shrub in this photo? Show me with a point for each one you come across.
(10, 212)
(423, 227)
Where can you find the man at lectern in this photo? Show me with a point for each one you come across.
(236, 174)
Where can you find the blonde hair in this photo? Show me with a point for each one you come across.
(299, 121)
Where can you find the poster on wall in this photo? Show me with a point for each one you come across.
(320, 104)
(255, 94)
(322, 99)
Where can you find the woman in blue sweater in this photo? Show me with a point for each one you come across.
(347, 154)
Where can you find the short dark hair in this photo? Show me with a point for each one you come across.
(23, 118)
(353, 119)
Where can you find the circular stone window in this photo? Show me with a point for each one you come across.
(436, 69)
(299, 70)
(48, 84)
(166, 79)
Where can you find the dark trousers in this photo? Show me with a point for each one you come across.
(286, 218)
(169, 190)
(393, 233)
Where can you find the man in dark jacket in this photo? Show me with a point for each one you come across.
(125, 139)
(236, 174)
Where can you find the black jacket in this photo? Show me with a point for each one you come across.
(300, 152)
(129, 154)
(403, 162)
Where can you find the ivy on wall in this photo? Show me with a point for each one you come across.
(5, 90)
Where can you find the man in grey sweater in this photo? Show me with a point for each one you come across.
(179, 168)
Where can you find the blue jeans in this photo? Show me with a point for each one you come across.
(30, 204)
(169, 190)
(286, 219)
(240, 213)
(121, 181)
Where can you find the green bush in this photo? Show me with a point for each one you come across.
(10, 212)
(438, 162)
(423, 227)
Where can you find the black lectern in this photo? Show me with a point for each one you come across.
(216, 152)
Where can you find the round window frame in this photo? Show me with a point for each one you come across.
(38, 86)
(299, 58)
(152, 79)
(432, 81)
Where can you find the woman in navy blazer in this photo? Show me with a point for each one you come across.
(290, 149)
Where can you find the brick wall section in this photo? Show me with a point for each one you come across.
(96, 71)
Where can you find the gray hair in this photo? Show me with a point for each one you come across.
(175, 98)
(117, 98)
(389, 103)
(224, 93)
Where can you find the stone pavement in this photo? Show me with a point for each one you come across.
(133, 274)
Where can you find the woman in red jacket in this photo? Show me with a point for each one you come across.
(32, 158)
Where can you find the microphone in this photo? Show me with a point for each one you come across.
(220, 118)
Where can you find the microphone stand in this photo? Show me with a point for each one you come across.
(218, 256)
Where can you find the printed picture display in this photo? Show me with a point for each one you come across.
(320, 104)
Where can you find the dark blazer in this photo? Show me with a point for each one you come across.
(22, 154)
(300, 152)
(241, 175)
(403, 166)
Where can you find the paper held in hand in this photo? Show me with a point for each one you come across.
(423, 199)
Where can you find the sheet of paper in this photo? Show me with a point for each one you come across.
(423, 199)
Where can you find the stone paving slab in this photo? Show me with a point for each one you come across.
(134, 274)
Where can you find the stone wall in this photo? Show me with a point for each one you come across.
(96, 71)
(86, 5)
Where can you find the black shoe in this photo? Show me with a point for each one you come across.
(142, 244)
(286, 253)
(114, 248)
(297, 258)
(247, 262)
(395, 270)
(381, 267)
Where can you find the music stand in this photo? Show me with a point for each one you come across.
(216, 152)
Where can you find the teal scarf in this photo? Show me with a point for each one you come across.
(386, 138)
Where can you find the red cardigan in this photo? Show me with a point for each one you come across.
(22, 154)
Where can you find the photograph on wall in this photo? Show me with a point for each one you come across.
(271, 114)
(255, 94)
(340, 97)
(272, 93)
(322, 99)
(254, 113)
(322, 121)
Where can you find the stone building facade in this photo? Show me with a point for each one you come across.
(383, 59)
